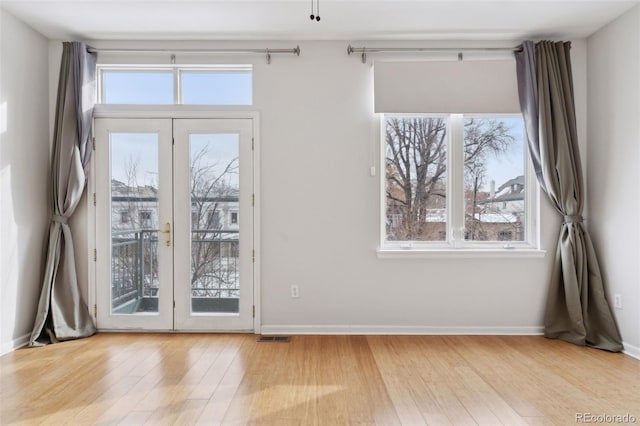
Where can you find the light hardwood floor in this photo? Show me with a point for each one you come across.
(133, 379)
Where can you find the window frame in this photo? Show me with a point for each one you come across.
(455, 227)
(177, 71)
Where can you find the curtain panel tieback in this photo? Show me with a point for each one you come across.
(577, 309)
(62, 312)
(573, 219)
(60, 219)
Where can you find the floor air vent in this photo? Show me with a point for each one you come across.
(273, 339)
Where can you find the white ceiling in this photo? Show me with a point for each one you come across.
(341, 19)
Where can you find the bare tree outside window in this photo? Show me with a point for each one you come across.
(214, 253)
(416, 166)
(417, 178)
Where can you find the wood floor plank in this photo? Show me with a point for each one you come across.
(300, 401)
(124, 361)
(591, 392)
(451, 384)
(75, 387)
(149, 374)
(390, 356)
(223, 393)
(223, 357)
(135, 418)
(272, 386)
(497, 365)
(324, 384)
(366, 393)
(537, 421)
(208, 379)
(186, 412)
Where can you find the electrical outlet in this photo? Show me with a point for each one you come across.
(617, 301)
(295, 291)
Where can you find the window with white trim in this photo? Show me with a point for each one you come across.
(456, 181)
(169, 85)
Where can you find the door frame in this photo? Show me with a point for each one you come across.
(162, 319)
(175, 112)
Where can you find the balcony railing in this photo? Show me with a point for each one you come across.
(134, 269)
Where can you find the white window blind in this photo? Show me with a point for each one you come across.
(446, 87)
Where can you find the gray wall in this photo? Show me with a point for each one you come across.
(320, 214)
(614, 159)
(24, 174)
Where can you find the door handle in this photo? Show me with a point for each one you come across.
(167, 233)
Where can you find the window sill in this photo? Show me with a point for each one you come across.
(469, 253)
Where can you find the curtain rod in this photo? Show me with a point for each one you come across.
(364, 50)
(267, 52)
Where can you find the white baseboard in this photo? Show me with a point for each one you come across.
(399, 330)
(15, 344)
(632, 351)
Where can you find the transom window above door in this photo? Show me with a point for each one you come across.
(175, 85)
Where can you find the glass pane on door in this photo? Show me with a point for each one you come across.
(134, 223)
(215, 231)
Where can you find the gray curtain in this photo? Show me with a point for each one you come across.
(62, 313)
(577, 309)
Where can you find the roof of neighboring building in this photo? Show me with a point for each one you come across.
(510, 194)
(123, 192)
(515, 181)
(496, 218)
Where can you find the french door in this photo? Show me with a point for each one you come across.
(174, 224)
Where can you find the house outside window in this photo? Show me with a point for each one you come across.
(144, 218)
(505, 235)
(213, 219)
(125, 216)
